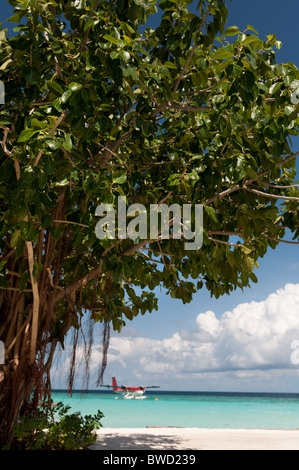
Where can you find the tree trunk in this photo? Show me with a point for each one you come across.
(24, 384)
(21, 378)
(15, 390)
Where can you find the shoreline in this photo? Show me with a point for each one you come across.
(175, 438)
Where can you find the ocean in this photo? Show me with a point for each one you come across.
(213, 410)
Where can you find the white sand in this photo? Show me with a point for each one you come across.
(196, 439)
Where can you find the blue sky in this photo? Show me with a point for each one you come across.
(179, 346)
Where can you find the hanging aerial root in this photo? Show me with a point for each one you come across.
(105, 347)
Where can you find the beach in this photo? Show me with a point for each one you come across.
(174, 438)
(169, 420)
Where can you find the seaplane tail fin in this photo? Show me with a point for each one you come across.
(114, 383)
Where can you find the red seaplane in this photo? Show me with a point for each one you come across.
(129, 392)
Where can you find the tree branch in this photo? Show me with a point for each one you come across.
(3, 143)
(149, 258)
(279, 240)
(225, 243)
(35, 307)
(276, 186)
(223, 194)
(225, 234)
(96, 272)
(36, 300)
(68, 156)
(15, 289)
(270, 196)
(69, 222)
(187, 108)
(111, 148)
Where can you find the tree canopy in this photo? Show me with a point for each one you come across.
(99, 105)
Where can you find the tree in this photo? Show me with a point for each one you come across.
(97, 106)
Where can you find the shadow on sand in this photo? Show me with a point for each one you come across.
(115, 441)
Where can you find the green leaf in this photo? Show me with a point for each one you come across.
(63, 182)
(248, 263)
(55, 88)
(16, 18)
(120, 179)
(271, 38)
(170, 65)
(114, 54)
(253, 277)
(73, 86)
(14, 238)
(142, 50)
(211, 213)
(224, 53)
(26, 135)
(111, 39)
(232, 31)
(57, 104)
(248, 80)
(130, 71)
(66, 96)
(67, 143)
(275, 87)
(174, 179)
(53, 144)
(36, 124)
(128, 28)
(246, 250)
(251, 28)
(254, 41)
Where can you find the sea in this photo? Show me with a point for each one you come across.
(212, 410)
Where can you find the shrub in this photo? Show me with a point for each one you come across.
(56, 430)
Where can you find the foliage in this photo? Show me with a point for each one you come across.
(57, 431)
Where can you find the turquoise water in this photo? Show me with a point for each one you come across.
(189, 409)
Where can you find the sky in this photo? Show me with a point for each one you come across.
(245, 341)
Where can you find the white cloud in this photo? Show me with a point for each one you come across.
(251, 341)
(254, 335)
